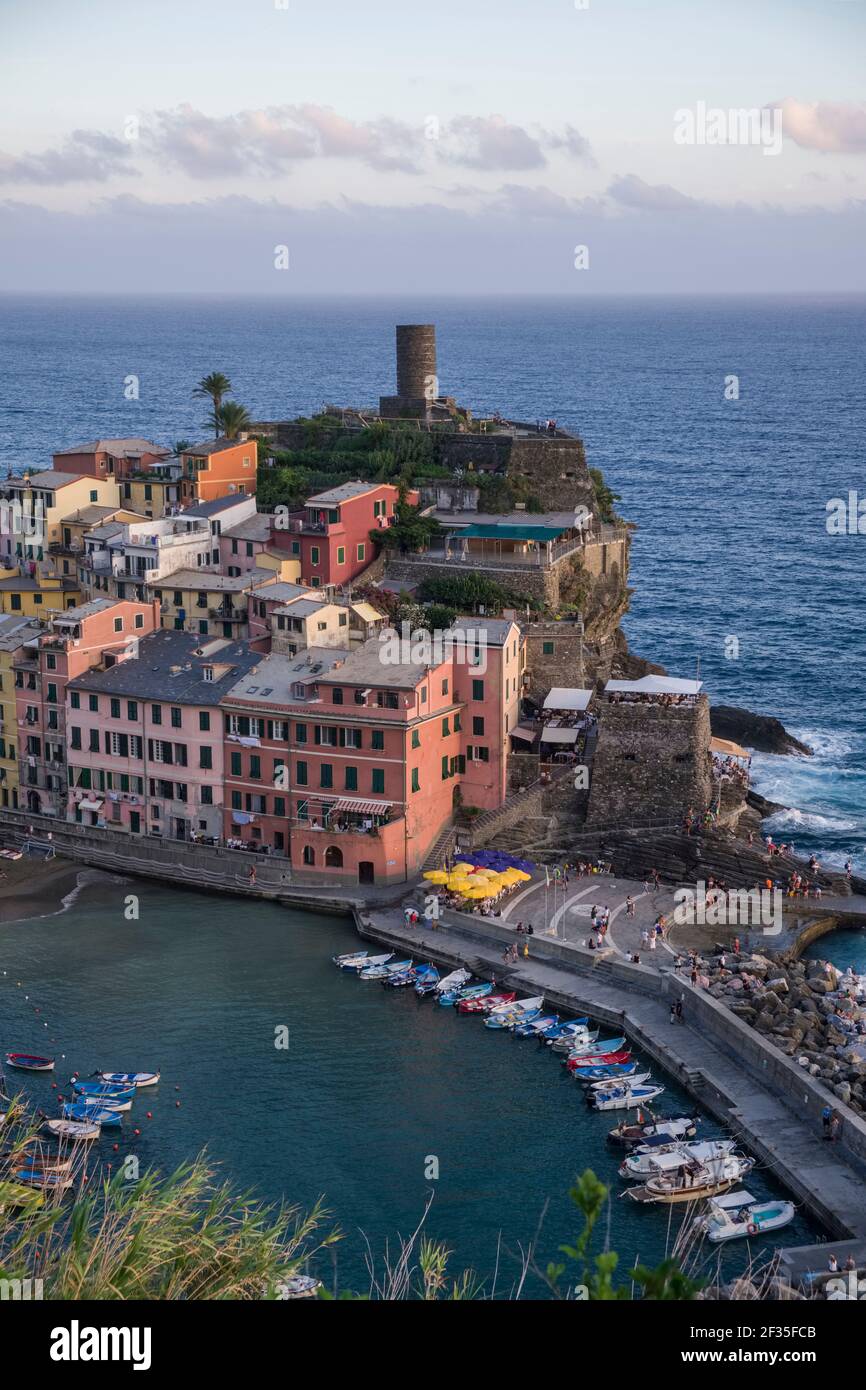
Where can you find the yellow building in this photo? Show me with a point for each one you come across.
(212, 604)
(36, 506)
(150, 494)
(14, 633)
(35, 595)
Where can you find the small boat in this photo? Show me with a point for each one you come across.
(25, 1061)
(19, 1196)
(83, 1130)
(365, 962)
(582, 1038)
(93, 1114)
(521, 1006)
(129, 1078)
(122, 1102)
(736, 1214)
(399, 979)
(570, 1029)
(510, 1015)
(534, 1027)
(104, 1090)
(42, 1180)
(456, 996)
(299, 1286)
(677, 1180)
(515, 1021)
(642, 1162)
(455, 980)
(606, 1045)
(624, 1097)
(350, 960)
(426, 980)
(35, 1155)
(485, 1003)
(605, 1084)
(381, 972)
(654, 1131)
(596, 1059)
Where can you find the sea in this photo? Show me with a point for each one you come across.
(726, 426)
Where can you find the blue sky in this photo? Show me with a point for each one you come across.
(466, 145)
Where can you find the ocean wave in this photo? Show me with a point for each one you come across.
(792, 819)
(826, 745)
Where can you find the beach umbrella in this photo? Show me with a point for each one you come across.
(436, 876)
(462, 867)
(484, 874)
(522, 876)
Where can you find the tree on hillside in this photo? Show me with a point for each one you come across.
(233, 419)
(214, 387)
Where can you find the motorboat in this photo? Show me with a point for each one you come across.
(654, 1131)
(641, 1163)
(139, 1079)
(625, 1097)
(676, 1179)
(382, 971)
(737, 1214)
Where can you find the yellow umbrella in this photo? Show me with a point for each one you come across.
(462, 868)
(478, 893)
(483, 874)
(436, 876)
(522, 877)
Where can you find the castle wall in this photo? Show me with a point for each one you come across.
(651, 761)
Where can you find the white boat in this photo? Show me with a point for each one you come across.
(604, 1088)
(736, 1214)
(676, 1179)
(453, 981)
(299, 1286)
(139, 1079)
(79, 1130)
(350, 960)
(517, 1006)
(625, 1097)
(579, 1040)
(381, 972)
(580, 1047)
(641, 1163)
(365, 962)
(102, 1102)
(651, 1132)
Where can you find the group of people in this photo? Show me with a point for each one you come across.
(696, 821)
(732, 770)
(646, 697)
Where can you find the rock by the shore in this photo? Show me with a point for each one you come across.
(759, 731)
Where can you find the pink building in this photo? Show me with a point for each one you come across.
(331, 538)
(111, 458)
(104, 632)
(145, 737)
(242, 545)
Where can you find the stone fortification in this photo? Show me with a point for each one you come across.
(651, 760)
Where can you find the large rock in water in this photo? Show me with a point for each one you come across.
(758, 731)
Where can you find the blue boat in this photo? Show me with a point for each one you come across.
(101, 1090)
(534, 1027)
(564, 1030)
(454, 996)
(606, 1072)
(426, 979)
(94, 1115)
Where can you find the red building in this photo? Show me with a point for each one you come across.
(332, 537)
(110, 458)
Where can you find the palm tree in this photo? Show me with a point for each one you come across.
(181, 446)
(214, 387)
(233, 418)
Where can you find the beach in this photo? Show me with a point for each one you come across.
(35, 888)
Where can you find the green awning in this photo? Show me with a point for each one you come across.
(508, 533)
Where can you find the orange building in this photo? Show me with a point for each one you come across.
(218, 468)
(110, 458)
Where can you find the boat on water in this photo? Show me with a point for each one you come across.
(19, 1196)
(381, 972)
(654, 1130)
(299, 1286)
(679, 1180)
(596, 1059)
(455, 980)
(129, 1078)
(485, 1004)
(399, 979)
(364, 962)
(79, 1130)
(34, 1155)
(350, 959)
(26, 1061)
(581, 1047)
(738, 1214)
(103, 1090)
(604, 1084)
(641, 1163)
(573, 1029)
(451, 997)
(625, 1097)
(119, 1103)
(41, 1180)
(533, 1027)
(93, 1114)
(426, 980)
(509, 1015)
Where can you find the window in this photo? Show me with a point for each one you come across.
(446, 727)
(115, 709)
(351, 779)
(93, 703)
(362, 551)
(131, 710)
(377, 740)
(548, 648)
(301, 774)
(207, 796)
(377, 779)
(445, 686)
(477, 724)
(300, 733)
(51, 695)
(176, 717)
(236, 801)
(309, 855)
(139, 620)
(15, 602)
(457, 723)
(446, 767)
(94, 740)
(156, 714)
(94, 495)
(416, 784)
(76, 738)
(341, 555)
(337, 696)
(204, 721)
(478, 690)
(118, 624)
(236, 765)
(333, 857)
(314, 554)
(416, 738)
(279, 805)
(205, 757)
(75, 700)
(255, 767)
(50, 662)
(326, 775)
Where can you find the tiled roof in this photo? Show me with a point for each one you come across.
(167, 668)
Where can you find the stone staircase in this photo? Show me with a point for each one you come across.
(441, 849)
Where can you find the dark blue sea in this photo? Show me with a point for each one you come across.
(733, 569)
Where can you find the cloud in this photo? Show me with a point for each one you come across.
(572, 142)
(86, 156)
(520, 200)
(836, 127)
(633, 192)
(491, 143)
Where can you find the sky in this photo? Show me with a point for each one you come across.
(501, 146)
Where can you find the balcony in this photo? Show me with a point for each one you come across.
(228, 615)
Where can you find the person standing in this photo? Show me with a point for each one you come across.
(826, 1115)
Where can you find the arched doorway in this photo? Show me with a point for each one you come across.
(34, 803)
(333, 857)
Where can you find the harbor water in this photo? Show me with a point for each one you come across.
(375, 1091)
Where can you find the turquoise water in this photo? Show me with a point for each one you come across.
(373, 1085)
(843, 948)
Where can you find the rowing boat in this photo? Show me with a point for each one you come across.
(41, 1180)
(381, 972)
(20, 1196)
(485, 1004)
(93, 1114)
(26, 1061)
(103, 1090)
(138, 1079)
(83, 1130)
(596, 1059)
(624, 1097)
(605, 1085)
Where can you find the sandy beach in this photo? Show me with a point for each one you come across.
(33, 888)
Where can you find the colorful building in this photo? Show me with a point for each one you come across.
(146, 738)
(104, 632)
(110, 458)
(15, 634)
(332, 536)
(210, 604)
(218, 468)
(37, 506)
(36, 591)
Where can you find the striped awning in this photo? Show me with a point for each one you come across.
(364, 808)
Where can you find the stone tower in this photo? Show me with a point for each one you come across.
(417, 382)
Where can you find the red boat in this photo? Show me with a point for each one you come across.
(600, 1059)
(25, 1061)
(485, 1003)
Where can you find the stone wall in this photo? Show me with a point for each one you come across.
(650, 761)
(523, 770)
(562, 665)
(553, 467)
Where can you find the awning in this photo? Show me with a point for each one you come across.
(656, 685)
(732, 1200)
(728, 748)
(507, 533)
(367, 612)
(88, 805)
(568, 697)
(550, 735)
(363, 808)
(528, 735)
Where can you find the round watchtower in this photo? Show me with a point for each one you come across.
(416, 361)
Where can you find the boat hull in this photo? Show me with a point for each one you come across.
(23, 1061)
